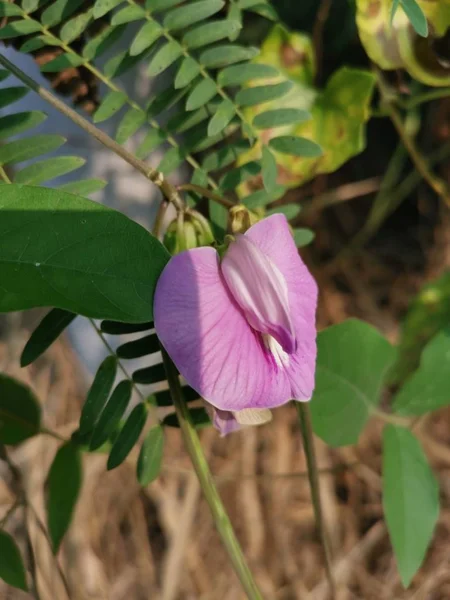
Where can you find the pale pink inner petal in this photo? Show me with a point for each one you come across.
(273, 237)
(260, 289)
(209, 339)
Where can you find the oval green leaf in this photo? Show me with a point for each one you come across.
(429, 387)
(226, 54)
(20, 412)
(112, 414)
(296, 146)
(352, 363)
(98, 394)
(164, 57)
(410, 499)
(150, 456)
(211, 32)
(24, 149)
(12, 569)
(63, 488)
(279, 117)
(263, 93)
(110, 105)
(191, 13)
(201, 94)
(223, 115)
(46, 170)
(41, 263)
(48, 330)
(128, 436)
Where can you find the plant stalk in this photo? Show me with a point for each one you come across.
(167, 189)
(313, 477)
(220, 517)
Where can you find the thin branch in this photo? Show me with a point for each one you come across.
(190, 187)
(421, 164)
(119, 362)
(313, 476)
(167, 189)
(317, 34)
(221, 519)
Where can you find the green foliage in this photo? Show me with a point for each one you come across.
(20, 412)
(12, 569)
(428, 313)
(98, 394)
(111, 415)
(150, 456)
(48, 330)
(352, 362)
(410, 499)
(128, 436)
(63, 488)
(199, 416)
(43, 266)
(429, 387)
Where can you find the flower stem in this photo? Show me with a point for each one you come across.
(220, 517)
(313, 476)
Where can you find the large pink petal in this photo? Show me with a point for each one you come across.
(274, 238)
(209, 339)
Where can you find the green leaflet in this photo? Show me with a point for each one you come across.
(111, 415)
(188, 71)
(201, 93)
(98, 394)
(150, 456)
(12, 569)
(221, 56)
(20, 412)
(253, 96)
(164, 57)
(296, 146)
(45, 170)
(131, 122)
(61, 62)
(48, 330)
(19, 122)
(110, 105)
(128, 14)
(410, 499)
(145, 37)
(102, 7)
(128, 436)
(191, 13)
(221, 118)
(63, 487)
(26, 148)
(352, 362)
(211, 32)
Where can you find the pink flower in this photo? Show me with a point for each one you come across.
(241, 330)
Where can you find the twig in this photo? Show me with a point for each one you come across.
(159, 219)
(343, 193)
(436, 184)
(190, 187)
(221, 519)
(317, 34)
(167, 189)
(313, 476)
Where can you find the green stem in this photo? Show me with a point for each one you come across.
(425, 97)
(421, 164)
(220, 517)
(167, 189)
(313, 476)
(191, 187)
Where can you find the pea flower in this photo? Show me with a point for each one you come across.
(241, 329)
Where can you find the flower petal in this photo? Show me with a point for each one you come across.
(208, 338)
(260, 290)
(273, 236)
